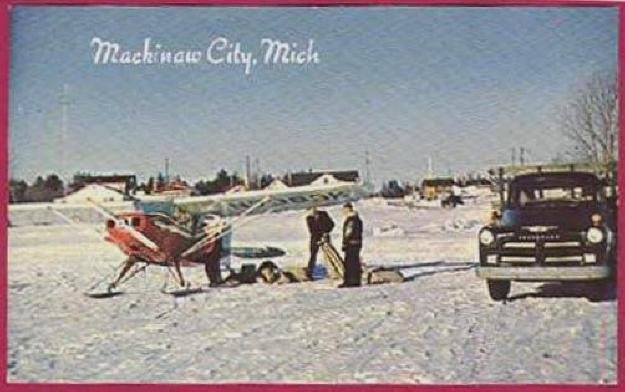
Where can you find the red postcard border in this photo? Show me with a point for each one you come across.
(262, 387)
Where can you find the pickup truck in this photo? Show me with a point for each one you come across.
(552, 226)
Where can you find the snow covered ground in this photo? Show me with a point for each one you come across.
(439, 327)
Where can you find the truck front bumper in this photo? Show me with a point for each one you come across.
(537, 274)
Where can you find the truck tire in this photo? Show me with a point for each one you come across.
(602, 290)
(498, 289)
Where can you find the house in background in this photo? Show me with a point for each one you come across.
(95, 193)
(174, 187)
(433, 187)
(393, 189)
(276, 185)
(124, 183)
(326, 177)
(99, 188)
(477, 187)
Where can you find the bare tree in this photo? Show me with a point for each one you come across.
(590, 120)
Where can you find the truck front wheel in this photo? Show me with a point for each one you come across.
(498, 289)
(602, 290)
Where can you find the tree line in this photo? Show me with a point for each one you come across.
(52, 187)
(41, 190)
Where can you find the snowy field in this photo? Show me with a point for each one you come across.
(438, 327)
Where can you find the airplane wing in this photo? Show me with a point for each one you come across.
(232, 204)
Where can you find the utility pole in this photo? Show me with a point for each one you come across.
(248, 172)
(367, 168)
(63, 135)
(166, 170)
(430, 172)
(522, 156)
(513, 157)
(257, 173)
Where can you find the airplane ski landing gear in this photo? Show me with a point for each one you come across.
(104, 294)
(128, 264)
(183, 292)
(112, 289)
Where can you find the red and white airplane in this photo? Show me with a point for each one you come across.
(152, 237)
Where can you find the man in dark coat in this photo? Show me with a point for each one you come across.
(352, 244)
(214, 227)
(212, 266)
(319, 225)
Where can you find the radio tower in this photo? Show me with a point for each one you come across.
(248, 172)
(430, 171)
(257, 175)
(367, 168)
(63, 136)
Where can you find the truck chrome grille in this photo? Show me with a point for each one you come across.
(563, 259)
(539, 237)
(517, 259)
(563, 244)
(529, 246)
(539, 229)
(513, 244)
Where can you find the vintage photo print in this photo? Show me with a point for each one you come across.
(335, 195)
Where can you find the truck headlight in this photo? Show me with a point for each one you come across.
(486, 237)
(594, 235)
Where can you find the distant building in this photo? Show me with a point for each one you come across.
(175, 187)
(393, 189)
(320, 177)
(477, 182)
(432, 188)
(122, 183)
(276, 185)
(236, 189)
(93, 193)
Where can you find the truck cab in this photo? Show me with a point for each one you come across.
(552, 226)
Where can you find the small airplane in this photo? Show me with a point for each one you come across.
(154, 238)
(151, 236)
(157, 239)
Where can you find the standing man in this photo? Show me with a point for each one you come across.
(352, 244)
(213, 227)
(319, 225)
(456, 195)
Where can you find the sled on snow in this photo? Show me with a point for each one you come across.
(333, 259)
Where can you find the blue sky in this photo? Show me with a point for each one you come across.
(462, 85)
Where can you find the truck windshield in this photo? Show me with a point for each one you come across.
(538, 194)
